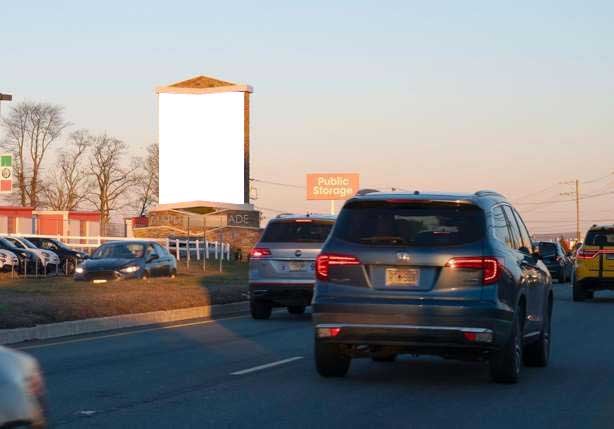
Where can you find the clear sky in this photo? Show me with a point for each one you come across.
(440, 95)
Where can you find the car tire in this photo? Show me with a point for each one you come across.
(330, 359)
(260, 310)
(173, 273)
(538, 353)
(578, 293)
(505, 364)
(296, 309)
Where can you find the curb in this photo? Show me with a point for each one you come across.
(101, 324)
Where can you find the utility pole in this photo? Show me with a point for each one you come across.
(575, 193)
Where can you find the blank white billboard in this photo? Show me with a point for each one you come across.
(201, 147)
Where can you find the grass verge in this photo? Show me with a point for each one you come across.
(30, 302)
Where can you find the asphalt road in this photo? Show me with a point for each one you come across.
(210, 375)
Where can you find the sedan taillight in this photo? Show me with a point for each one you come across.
(259, 252)
(325, 260)
(490, 266)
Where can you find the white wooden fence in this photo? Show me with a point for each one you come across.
(193, 249)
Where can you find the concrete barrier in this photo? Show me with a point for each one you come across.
(101, 324)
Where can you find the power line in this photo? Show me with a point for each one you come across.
(287, 185)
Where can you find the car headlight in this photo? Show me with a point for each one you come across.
(130, 269)
(79, 270)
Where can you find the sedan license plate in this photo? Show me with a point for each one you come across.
(99, 281)
(297, 266)
(401, 277)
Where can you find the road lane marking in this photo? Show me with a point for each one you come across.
(136, 331)
(266, 365)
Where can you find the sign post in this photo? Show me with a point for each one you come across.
(332, 187)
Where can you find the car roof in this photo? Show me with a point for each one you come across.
(479, 198)
(292, 216)
(130, 242)
(600, 227)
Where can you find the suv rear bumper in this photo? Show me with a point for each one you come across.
(596, 283)
(420, 339)
(282, 294)
(430, 329)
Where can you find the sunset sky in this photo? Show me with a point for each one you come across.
(440, 95)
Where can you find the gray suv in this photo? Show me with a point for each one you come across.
(453, 275)
(281, 266)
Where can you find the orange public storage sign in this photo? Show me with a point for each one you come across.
(331, 186)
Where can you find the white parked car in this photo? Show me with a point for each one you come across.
(22, 390)
(8, 260)
(49, 260)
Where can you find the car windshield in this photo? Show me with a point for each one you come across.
(297, 231)
(16, 243)
(600, 237)
(6, 243)
(120, 250)
(547, 249)
(386, 223)
(28, 243)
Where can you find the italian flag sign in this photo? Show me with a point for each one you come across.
(6, 173)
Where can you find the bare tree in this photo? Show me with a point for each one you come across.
(110, 178)
(67, 186)
(30, 128)
(147, 180)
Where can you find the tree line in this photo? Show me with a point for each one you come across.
(91, 171)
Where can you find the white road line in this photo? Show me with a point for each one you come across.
(267, 365)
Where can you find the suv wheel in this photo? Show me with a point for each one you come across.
(538, 353)
(260, 310)
(505, 364)
(330, 360)
(296, 309)
(579, 293)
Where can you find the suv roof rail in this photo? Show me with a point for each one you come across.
(284, 215)
(366, 191)
(486, 192)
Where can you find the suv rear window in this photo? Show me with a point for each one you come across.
(410, 223)
(297, 231)
(547, 249)
(600, 237)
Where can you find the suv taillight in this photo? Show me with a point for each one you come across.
(490, 266)
(259, 252)
(325, 260)
(586, 254)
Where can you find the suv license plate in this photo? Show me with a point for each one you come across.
(401, 277)
(297, 266)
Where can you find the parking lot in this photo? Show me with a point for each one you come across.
(244, 373)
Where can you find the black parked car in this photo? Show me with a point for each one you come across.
(454, 275)
(29, 261)
(69, 258)
(127, 260)
(559, 264)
